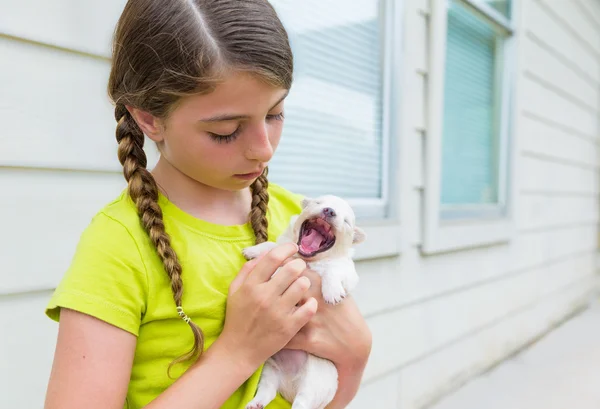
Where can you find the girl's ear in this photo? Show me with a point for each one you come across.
(148, 123)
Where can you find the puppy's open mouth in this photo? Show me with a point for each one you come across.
(316, 236)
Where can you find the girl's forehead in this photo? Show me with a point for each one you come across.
(237, 93)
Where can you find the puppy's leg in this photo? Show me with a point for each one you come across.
(267, 386)
(318, 385)
(255, 251)
(285, 237)
(332, 289)
(350, 278)
(332, 275)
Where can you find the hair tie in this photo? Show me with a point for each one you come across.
(182, 315)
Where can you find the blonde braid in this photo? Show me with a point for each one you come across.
(143, 191)
(260, 203)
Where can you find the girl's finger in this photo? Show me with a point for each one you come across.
(305, 312)
(294, 293)
(286, 275)
(270, 261)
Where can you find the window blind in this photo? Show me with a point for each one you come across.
(332, 137)
(472, 103)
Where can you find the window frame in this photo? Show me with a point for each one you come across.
(378, 208)
(473, 225)
(379, 218)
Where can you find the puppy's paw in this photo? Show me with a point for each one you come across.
(350, 282)
(333, 292)
(250, 253)
(256, 404)
(255, 251)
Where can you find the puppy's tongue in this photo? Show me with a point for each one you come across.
(311, 241)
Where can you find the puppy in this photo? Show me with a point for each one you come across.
(325, 232)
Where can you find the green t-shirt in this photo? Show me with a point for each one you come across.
(117, 276)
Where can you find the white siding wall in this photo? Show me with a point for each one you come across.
(58, 164)
(439, 320)
(436, 320)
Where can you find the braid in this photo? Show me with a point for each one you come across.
(143, 191)
(258, 212)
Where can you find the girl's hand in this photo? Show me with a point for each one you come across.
(338, 333)
(261, 315)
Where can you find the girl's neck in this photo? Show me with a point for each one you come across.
(204, 202)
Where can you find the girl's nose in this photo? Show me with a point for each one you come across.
(260, 148)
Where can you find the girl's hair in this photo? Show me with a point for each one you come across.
(166, 50)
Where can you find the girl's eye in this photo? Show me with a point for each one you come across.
(224, 138)
(276, 117)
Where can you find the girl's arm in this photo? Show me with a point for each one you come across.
(338, 333)
(93, 359)
(93, 363)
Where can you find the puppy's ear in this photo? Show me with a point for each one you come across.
(359, 236)
(306, 201)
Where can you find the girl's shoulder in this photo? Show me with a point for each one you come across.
(122, 213)
(280, 197)
(107, 276)
(118, 221)
(283, 204)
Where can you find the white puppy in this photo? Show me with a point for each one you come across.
(325, 231)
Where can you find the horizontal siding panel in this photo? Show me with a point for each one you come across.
(52, 210)
(540, 137)
(573, 18)
(448, 368)
(425, 327)
(57, 102)
(573, 65)
(539, 212)
(26, 355)
(381, 394)
(547, 103)
(544, 175)
(82, 26)
(540, 23)
(590, 7)
(546, 247)
(542, 63)
(387, 285)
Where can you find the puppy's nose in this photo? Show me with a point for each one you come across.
(328, 212)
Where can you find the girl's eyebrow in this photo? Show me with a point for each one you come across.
(233, 117)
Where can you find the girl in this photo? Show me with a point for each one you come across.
(206, 81)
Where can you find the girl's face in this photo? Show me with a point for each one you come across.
(223, 139)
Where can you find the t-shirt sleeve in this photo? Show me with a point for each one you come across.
(107, 277)
(290, 201)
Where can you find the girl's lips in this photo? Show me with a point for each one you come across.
(249, 176)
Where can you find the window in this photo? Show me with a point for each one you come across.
(338, 134)
(335, 140)
(467, 189)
